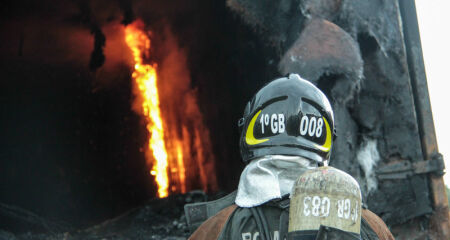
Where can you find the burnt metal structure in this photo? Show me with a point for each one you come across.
(440, 216)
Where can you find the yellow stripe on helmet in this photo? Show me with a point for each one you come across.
(249, 137)
(327, 145)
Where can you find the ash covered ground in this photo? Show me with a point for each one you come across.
(161, 219)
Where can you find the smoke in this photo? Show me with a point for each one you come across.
(368, 158)
(41, 41)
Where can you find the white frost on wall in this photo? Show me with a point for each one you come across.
(368, 157)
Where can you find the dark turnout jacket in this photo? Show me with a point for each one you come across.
(270, 222)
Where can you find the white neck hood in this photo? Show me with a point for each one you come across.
(270, 177)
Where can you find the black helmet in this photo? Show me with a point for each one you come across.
(288, 116)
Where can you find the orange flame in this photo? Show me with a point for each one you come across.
(178, 141)
(146, 79)
(181, 170)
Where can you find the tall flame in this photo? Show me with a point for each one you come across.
(179, 147)
(146, 79)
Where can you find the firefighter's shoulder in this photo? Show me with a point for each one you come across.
(211, 228)
(377, 225)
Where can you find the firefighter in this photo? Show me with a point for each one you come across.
(287, 130)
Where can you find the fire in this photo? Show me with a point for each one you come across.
(179, 144)
(181, 170)
(146, 79)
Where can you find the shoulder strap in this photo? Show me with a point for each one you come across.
(367, 233)
(263, 225)
(284, 217)
(197, 213)
(284, 223)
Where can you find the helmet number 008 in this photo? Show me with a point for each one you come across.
(311, 125)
